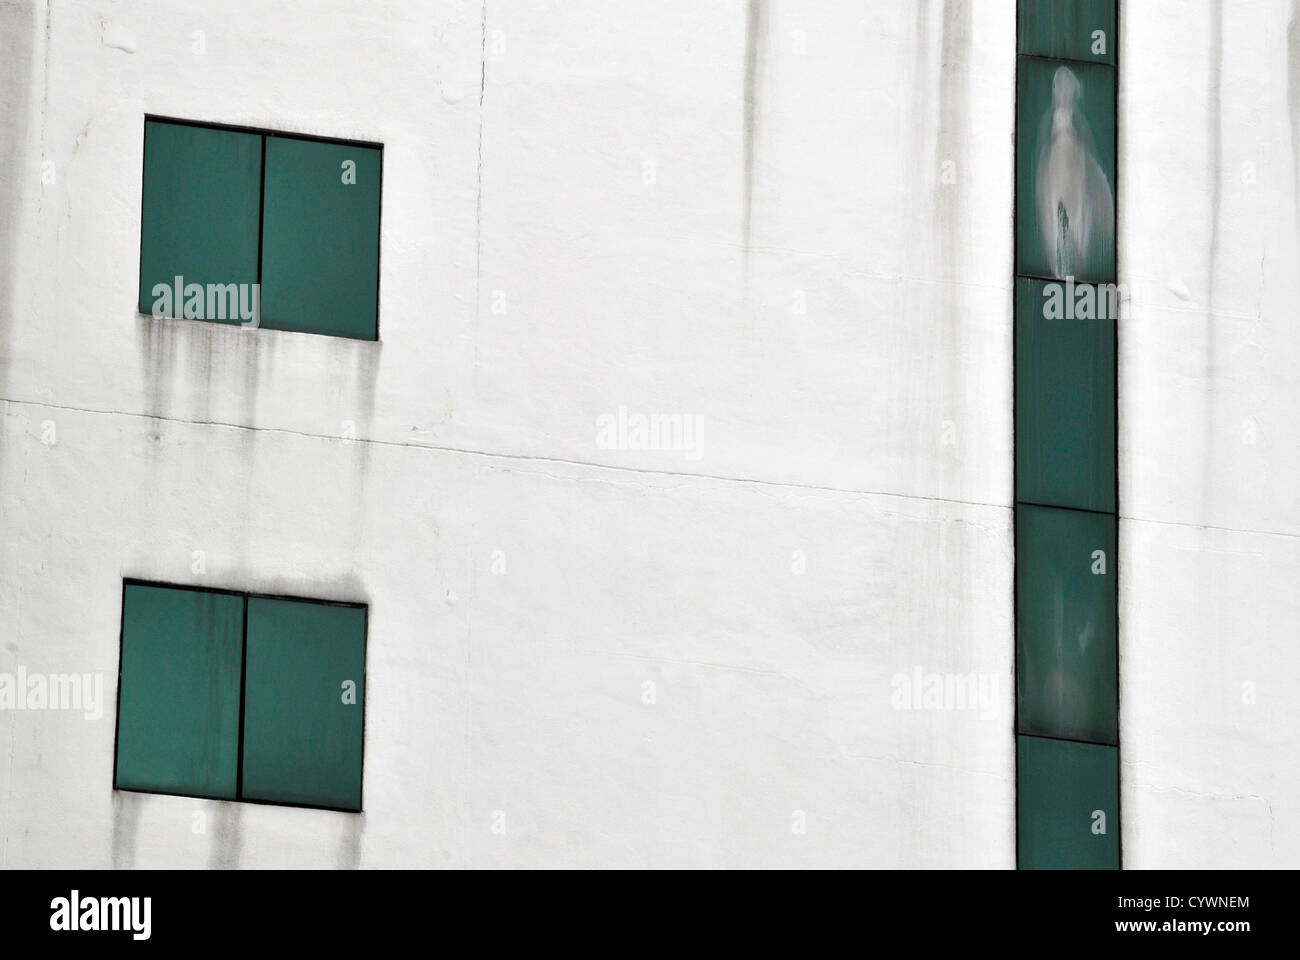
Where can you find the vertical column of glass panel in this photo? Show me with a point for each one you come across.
(304, 699)
(201, 197)
(178, 701)
(320, 238)
(1066, 307)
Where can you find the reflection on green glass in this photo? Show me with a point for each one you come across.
(1065, 170)
(1065, 623)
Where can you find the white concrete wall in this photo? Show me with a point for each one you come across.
(651, 192)
(1209, 446)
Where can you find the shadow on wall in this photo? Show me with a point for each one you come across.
(126, 823)
(1293, 94)
(18, 24)
(227, 845)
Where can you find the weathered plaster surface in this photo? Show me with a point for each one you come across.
(715, 210)
(1209, 449)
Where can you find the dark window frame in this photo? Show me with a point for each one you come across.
(245, 595)
(265, 133)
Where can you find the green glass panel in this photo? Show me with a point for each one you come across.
(302, 738)
(320, 238)
(1065, 623)
(198, 220)
(1065, 394)
(1080, 29)
(1065, 169)
(1067, 794)
(178, 708)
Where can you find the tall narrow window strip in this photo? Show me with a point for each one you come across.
(1066, 308)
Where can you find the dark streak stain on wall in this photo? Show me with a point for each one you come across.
(755, 42)
(17, 36)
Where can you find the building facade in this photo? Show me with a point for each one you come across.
(679, 485)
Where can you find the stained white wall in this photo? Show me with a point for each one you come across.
(1209, 447)
(583, 208)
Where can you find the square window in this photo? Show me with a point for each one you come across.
(178, 699)
(1077, 29)
(303, 703)
(198, 220)
(320, 238)
(235, 697)
(1067, 805)
(1065, 394)
(259, 228)
(1065, 624)
(1065, 169)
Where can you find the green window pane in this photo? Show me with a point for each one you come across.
(198, 220)
(1080, 29)
(1065, 624)
(1065, 169)
(320, 238)
(302, 736)
(178, 707)
(1067, 795)
(1065, 394)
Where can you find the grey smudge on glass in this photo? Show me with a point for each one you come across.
(1076, 207)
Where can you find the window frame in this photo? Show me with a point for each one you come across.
(265, 133)
(245, 595)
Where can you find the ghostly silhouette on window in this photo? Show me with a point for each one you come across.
(1076, 208)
